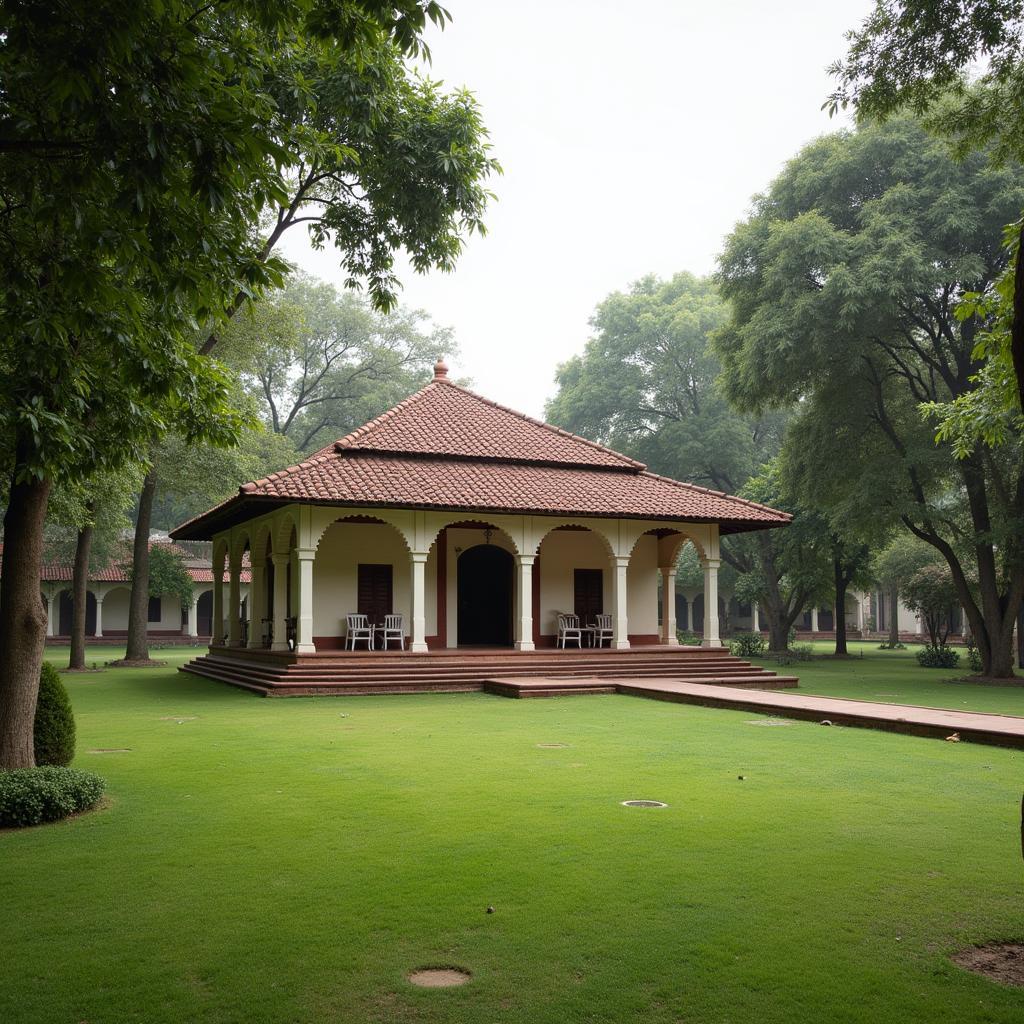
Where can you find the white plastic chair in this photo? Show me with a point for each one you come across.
(569, 629)
(393, 629)
(359, 630)
(602, 630)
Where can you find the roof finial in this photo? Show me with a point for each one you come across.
(440, 369)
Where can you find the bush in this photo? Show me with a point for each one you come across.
(898, 646)
(973, 655)
(796, 652)
(747, 645)
(54, 730)
(938, 656)
(791, 637)
(684, 636)
(32, 796)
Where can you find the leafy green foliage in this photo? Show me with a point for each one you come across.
(931, 593)
(844, 285)
(938, 656)
(320, 364)
(646, 385)
(168, 574)
(54, 730)
(748, 645)
(34, 796)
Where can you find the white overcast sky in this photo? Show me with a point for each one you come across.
(633, 136)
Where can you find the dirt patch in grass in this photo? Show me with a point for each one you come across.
(438, 977)
(110, 750)
(136, 663)
(178, 718)
(769, 721)
(552, 746)
(1017, 681)
(77, 671)
(999, 961)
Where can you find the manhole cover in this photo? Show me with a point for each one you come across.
(552, 746)
(643, 803)
(1001, 961)
(438, 977)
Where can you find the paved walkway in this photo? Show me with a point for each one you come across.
(968, 726)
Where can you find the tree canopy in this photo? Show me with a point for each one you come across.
(844, 286)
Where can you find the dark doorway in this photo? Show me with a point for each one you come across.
(65, 609)
(204, 614)
(588, 593)
(375, 592)
(485, 597)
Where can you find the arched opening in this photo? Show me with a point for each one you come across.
(204, 614)
(485, 574)
(698, 613)
(66, 608)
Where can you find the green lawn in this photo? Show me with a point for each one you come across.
(894, 677)
(290, 860)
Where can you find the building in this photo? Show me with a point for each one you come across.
(107, 596)
(477, 524)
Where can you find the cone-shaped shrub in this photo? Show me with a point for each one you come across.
(54, 733)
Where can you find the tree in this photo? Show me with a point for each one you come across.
(931, 593)
(844, 285)
(168, 574)
(375, 159)
(141, 145)
(647, 385)
(320, 364)
(916, 55)
(893, 567)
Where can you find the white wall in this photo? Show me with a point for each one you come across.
(335, 575)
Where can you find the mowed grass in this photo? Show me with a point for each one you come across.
(894, 677)
(290, 860)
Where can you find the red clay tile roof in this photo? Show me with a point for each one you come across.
(119, 569)
(447, 448)
(445, 419)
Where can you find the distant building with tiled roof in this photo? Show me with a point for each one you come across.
(477, 524)
(108, 588)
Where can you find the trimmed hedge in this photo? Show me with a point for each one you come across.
(938, 657)
(32, 796)
(54, 730)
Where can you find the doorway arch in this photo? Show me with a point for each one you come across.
(485, 574)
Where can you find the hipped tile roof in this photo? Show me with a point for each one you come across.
(447, 448)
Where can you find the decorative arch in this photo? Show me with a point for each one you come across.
(479, 524)
(576, 524)
(362, 518)
(284, 528)
(241, 540)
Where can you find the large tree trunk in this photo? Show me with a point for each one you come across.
(79, 597)
(894, 615)
(22, 620)
(138, 607)
(1017, 324)
(842, 581)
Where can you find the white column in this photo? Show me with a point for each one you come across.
(755, 623)
(814, 619)
(860, 613)
(234, 601)
(688, 617)
(99, 615)
(280, 602)
(193, 616)
(668, 605)
(257, 603)
(620, 601)
(304, 633)
(418, 572)
(49, 613)
(524, 602)
(711, 638)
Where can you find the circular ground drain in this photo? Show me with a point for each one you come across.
(552, 746)
(999, 961)
(643, 803)
(438, 977)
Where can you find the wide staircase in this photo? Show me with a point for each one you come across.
(550, 672)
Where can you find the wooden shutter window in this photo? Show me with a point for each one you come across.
(374, 596)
